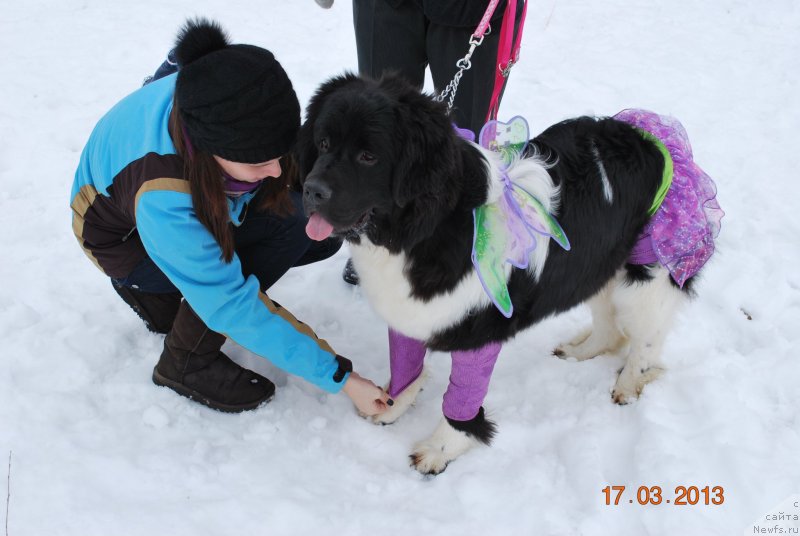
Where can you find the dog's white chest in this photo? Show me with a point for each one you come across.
(388, 290)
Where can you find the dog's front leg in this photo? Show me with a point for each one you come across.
(406, 358)
(465, 424)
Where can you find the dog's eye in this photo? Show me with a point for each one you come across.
(367, 158)
(323, 144)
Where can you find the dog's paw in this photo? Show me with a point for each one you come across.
(431, 456)
(402, 402)
(589, 344)
(428, 462)
(569, 349)
(630, 384)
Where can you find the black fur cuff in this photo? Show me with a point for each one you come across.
(478, 427)
(345, 366)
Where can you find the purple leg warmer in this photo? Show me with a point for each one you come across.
(406, 356)
(469, 381)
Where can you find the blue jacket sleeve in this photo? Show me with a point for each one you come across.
(228, 303)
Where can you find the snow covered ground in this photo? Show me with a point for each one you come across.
(95, 448)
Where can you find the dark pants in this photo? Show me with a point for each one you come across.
(167, 67)
(267, 246)
(402, 39)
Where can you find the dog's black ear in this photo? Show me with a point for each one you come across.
(426, 154)
(306, 148)
(427, 161)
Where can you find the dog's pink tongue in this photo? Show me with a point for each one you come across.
(317, 228)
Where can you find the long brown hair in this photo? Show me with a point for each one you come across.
(208, 194)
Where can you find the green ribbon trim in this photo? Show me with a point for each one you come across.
(666, 179)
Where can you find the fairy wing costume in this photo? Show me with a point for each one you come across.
(506, 231)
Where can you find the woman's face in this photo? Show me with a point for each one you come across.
(250, 172)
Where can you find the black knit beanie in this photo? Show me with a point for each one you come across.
(235, 101)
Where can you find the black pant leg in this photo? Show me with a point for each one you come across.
(319, 251)
(447, 45)
(390, 38)
(268, 244)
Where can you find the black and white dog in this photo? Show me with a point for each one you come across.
(383, 166)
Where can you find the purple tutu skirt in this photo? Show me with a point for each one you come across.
(681, 234)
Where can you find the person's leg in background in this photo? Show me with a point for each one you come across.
(390, 36)
(447, 45)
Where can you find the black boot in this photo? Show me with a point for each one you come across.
(157, 310)
(193, 366)
(349, 273)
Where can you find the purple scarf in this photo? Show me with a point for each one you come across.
(236, 187)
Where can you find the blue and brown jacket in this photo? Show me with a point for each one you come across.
(130, 200)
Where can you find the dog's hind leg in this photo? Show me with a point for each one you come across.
(645, 312)
(465, 424)
(604, 336)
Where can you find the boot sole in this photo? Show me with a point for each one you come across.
(182, 390)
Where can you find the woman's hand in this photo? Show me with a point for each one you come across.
(367, 397)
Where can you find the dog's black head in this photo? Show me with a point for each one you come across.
(378, 157)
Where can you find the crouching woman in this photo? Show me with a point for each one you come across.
(182, 198)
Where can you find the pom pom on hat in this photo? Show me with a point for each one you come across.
(235, 101)
(197, 38)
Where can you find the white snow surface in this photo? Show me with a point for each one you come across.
(95, 448)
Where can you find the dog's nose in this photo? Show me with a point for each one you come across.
(316, 191)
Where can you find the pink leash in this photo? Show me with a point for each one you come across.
(480, 31)
(507, 53)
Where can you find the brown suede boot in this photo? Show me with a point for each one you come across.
(157, 310)
(193, 366)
